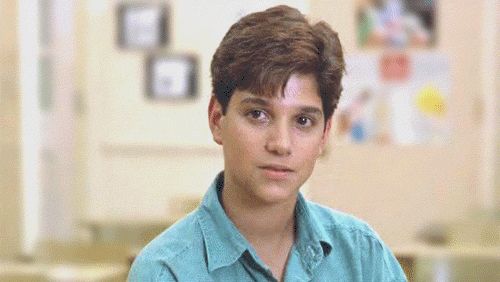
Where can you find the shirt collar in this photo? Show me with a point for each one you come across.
(224, 244)
(312, 242)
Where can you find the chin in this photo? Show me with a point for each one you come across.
(275, 194)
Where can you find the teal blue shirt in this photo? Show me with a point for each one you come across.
(207, 246)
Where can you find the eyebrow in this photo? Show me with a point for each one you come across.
(311, 110)
(253, 100)
(264, 103)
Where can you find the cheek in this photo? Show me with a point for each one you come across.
(309, 151)
(241, 141)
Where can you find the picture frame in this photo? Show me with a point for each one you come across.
(143, 25)
(171, 77)
(396, 24)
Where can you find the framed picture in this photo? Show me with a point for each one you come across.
(396, 23)
(171, 76)
(142, 26)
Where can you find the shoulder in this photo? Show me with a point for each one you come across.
(336, 221)
(154, 262)
(352, 237)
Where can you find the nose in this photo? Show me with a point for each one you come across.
(279, 140)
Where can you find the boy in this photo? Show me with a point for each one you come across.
(276, 83)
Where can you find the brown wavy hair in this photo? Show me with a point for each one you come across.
(262, 50)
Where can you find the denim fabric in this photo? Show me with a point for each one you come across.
(207, 246)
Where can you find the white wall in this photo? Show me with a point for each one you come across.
(399, 190)
(140, 153)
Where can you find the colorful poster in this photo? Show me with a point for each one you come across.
(395, 98)
(396, 23)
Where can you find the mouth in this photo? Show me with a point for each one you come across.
(278, 168)
(276, 172)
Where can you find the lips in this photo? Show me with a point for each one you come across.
(277, 168)
(276, 172)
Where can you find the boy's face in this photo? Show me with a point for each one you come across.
(271, 144)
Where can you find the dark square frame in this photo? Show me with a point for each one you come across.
(167, 74)
(130, 31)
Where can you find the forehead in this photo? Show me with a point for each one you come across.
(299, 84)
(300, 89)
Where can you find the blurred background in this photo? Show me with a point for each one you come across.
(104, 139)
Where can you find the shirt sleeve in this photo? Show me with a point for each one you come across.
(393, 266)
(380, 265)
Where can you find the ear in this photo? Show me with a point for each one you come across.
(326, 135)
(215, 117)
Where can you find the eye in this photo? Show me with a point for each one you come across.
(305, 121)
(257, 115)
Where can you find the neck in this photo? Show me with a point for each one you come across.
(259, 223)
(269, 228)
